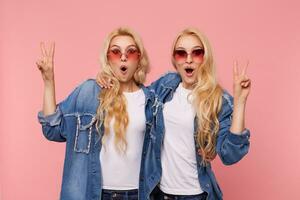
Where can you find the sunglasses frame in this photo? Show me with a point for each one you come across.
(188, 53)
(110, 51)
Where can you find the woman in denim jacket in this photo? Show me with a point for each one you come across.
(104, 130)
(195, 119)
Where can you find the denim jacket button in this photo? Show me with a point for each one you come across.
(207, 185)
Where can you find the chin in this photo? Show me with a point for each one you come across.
(190, 80)
(124, 79)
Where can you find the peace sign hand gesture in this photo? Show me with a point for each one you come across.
(242, 84)
(46, 63)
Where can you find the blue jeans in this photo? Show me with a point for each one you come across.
(119, 194)
(160, 195)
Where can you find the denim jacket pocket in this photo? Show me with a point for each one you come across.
(83, 134)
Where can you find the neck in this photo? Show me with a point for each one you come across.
(187, 85)
(129, 86)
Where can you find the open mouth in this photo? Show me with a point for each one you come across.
(189, 71)
(123, 68)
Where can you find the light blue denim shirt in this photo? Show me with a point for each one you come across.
(74, 122)
(230, 147)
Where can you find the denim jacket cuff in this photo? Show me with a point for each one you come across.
(53, 119)
(240, 138)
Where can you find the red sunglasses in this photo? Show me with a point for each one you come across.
(181, 55)
(116, 54)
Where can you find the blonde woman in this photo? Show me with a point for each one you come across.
(104, 130)
(196, 119)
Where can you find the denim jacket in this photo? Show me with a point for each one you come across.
(74, 122)
(230, 147)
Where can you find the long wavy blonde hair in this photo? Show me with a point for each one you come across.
(112, 101)
(206, 98)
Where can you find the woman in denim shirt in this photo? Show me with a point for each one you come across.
(104, 130)
(196, 119)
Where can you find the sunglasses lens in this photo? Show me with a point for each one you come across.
(132, 54)
(180, 55)
(114, 54)
(198, 54)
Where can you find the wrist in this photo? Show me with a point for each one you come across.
(49, 83)
(240, 101)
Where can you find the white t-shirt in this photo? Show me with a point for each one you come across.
(179, 165)
(121, 171)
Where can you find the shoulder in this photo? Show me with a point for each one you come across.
(88, 86)
(227, 105)
(168, 80)
(169, 76)
(227, 99)
(88, 96)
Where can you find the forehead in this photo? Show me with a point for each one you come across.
(188, 41)
(122, 41)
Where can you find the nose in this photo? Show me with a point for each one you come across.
(189, 59)
(123, 57)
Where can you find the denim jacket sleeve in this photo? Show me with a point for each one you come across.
(52, 125)
(158, 86)
(231, 147)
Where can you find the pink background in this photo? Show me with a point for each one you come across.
(267, 32)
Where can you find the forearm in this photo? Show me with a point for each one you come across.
(49, 101)
(238, 117)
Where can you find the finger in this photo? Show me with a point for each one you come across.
(244, 84)
(102, 84)
(244, 79)
(43, 50)
(109, 82)
(97, 81)
(245, 68)
(235, 68)
(52, 49)
(39, 64)
(248, 84)
(44, 60)
(100, 81)
(47, 50)
(105, 83)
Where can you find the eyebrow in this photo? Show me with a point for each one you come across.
(195, 47)
(132, 45)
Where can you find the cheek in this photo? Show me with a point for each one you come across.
(114, 66)
(133, 65)
(198, 59)
(179, 68)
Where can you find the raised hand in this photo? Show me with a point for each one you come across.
(103, 81)
(46, 63)
(241, 82)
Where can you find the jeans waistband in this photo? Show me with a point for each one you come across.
(124, 192)
(174, 196)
